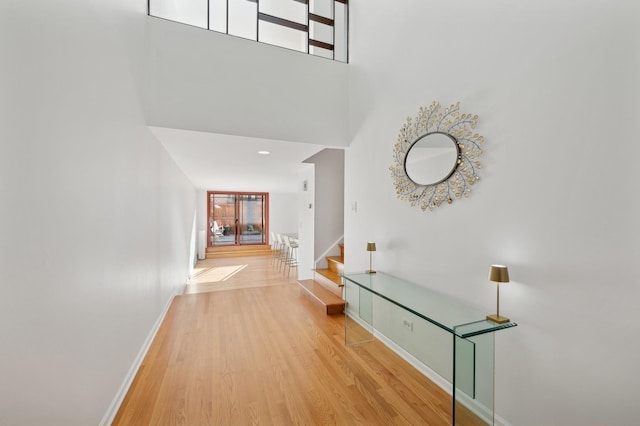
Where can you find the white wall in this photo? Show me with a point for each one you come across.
(234, 86)
(201, 212)
(96, 221)
(555, 85)
(283, 213)
(306, 220)
(329, 199)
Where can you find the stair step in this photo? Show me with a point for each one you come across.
(335, 263)
(317, 293)
(330, 275)
(233, 247)
(237, 251)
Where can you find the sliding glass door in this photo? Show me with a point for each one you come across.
(237, 218)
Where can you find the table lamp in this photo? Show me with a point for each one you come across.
(371, 247)
(498, 274)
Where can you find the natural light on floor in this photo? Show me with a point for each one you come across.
(217, 274)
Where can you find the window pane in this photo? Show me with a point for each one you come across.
(285, 9)
(322, 8)
(318, 51)
(192, 12)
(218, 15)
(283, 36)
(222, 219)
(243, 18)
(340, 45)
(320, 32)
(252, 220)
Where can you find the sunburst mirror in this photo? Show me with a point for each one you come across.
(435, 157)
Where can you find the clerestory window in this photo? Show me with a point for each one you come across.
(316, 27)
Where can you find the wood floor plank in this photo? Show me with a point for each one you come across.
(252, 350)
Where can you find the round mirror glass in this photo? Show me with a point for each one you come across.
(431, 159)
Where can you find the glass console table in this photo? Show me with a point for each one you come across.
(451, 338)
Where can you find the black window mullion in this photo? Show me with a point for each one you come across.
(321, 44)
(283, 22)
(321, 19)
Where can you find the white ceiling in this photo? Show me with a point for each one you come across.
(225, 162)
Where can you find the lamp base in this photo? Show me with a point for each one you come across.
(369, 271)
(498, 319)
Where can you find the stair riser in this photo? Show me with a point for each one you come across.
(329, 309)
(335, 310)
(245, 247)
(336, 267)
(317, 293)
(328, 284)
(219, 252)
(237, 254)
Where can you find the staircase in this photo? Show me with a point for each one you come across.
(218, 252)
(325, 289)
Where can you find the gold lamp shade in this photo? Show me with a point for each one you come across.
(498, 274)
(371, 247)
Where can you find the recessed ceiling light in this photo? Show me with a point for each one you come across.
(264, 152)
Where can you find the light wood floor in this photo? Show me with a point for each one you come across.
(244, 347)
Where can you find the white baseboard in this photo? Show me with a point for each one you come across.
(415, 363)
(499, 421)
(110, 415)
(477, 408)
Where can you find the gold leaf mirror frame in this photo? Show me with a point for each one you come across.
(457, 183)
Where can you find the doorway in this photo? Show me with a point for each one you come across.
(237, 218)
